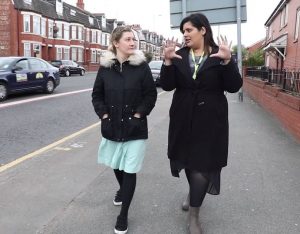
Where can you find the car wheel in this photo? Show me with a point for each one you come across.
(82, 72)
(3, 92)
(67, 73)
(49, 86)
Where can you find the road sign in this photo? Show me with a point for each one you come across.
(217, 11)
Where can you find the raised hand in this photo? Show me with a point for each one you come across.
(224, 50)
(169, 49)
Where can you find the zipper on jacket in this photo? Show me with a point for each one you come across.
(122, 108)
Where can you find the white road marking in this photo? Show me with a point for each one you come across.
(42, 98)
(54, 145)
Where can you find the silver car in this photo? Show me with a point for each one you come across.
(155, 66)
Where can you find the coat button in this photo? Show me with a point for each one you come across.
(122, 120)
(200, 103)
(129, 118)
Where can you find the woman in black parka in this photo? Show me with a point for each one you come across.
(124, 94)
(200, 73)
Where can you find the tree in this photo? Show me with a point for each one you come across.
(244, 51)
(148, 56)
(255, 59)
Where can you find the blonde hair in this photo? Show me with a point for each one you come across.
(116, 35)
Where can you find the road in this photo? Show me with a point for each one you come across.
(33, 125)
(62, 190)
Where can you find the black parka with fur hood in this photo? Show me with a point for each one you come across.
(121, 90)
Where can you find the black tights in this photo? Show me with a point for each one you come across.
(198, 187)
(127, 182)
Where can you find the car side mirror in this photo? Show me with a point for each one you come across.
(16, 68)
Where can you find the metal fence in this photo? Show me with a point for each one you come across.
(287, 80)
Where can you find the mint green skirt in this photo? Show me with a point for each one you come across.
(126, 156)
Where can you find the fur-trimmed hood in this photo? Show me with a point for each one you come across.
(109, 58)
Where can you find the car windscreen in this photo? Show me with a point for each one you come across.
(5, 63)
(155, 65)
(56, 63)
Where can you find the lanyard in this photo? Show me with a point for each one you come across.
(196, 64)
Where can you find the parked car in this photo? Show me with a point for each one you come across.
(155, 66)
(20, 74)
(68, 67)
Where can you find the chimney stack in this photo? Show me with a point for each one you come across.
(80, 4)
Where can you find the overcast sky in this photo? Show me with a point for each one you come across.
(154, 15)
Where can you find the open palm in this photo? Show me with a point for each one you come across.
(224, 49)
(169, 49)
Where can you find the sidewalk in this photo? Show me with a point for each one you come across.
(260, 187)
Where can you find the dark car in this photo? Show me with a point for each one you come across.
(68, 67)
(19, 74)
(155, 66)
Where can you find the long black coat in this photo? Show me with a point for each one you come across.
(198, 128)
(121, 90)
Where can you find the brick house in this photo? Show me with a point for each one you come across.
(53, 29)
(283, 35)
(277, 89)
(256, 46)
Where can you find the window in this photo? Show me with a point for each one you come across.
(91, 20)
(72, 12)
(94, 37)
(74, 54)
(103, 21)
(26, 22)
(79, 33)
(43, 27)
(27, 50)
(37, 48)
(107, 39)
(37, 64)
(94, 56)
(270, 32)
(66, 31)
(66, 53)
(36, 25)
(98, 56)
(297, 25)
(74, 32)
(58, 53)
(80, 55)
(99, 37)
(59, 7)
(88, 35)
(59, 32)
(23, 64)
(284, 16)
(50, 29)
(103, 39)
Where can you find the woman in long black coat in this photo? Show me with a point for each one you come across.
(199, 73)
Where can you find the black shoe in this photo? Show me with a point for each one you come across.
(118, 201)
(121, 225)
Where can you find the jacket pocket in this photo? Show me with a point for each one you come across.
(106, 128)
(136, 126)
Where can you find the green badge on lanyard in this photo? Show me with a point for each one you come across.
(196, 64)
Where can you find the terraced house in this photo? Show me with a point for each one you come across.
(53, 29)
(282, 45)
